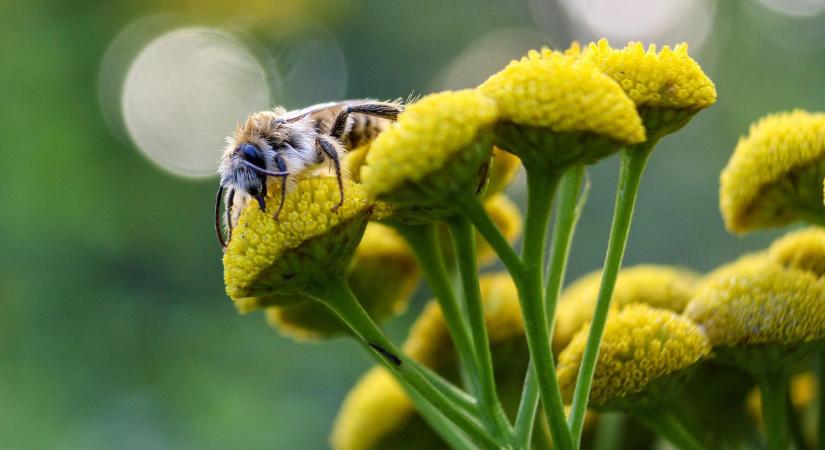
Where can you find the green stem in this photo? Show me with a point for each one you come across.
(609, 431)
(464, 243)
(423, 240)
(774, 390)
(540, 189)
(472, 208)
(337, 296)
(526, 415)
(820, 442)
(451, 391)
(446, 429)
(567, 214)
(633, 160)
(794, 424)
(669, 427)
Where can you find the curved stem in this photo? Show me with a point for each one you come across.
(446, 429)
(540, 190)
(633, 160)
(424, 243)
(451, 391)
(669, 427)
(337, 296)
(567, 214)
(527, 408)
(464, 243)
(774, 390)
(472, 208)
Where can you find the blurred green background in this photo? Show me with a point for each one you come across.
(115, 331)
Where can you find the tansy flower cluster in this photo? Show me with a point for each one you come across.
(514, 359)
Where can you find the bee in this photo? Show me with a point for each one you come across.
(273, 145)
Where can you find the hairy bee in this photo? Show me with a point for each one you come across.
(275, 144)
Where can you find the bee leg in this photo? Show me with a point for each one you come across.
(326, 146)
(383, 110)
(228, 200)
(279, 161)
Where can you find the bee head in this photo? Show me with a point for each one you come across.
(255, 165)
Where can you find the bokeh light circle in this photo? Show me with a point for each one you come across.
(654, 21)
(487, 55)
(184, 92)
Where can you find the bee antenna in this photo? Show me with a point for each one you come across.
(261, 170)
(218, 231)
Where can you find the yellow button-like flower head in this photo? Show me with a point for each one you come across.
(304, 246)
(436, 149)
(659, 286)
(377, 414)
(760, 315)
(557, 110)
(802, 250)
(646, 354)
(383, 276)
(668, 87)
(774, 175)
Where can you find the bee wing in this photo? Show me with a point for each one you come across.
(314, 109)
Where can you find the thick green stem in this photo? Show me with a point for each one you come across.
(567, 213)
(669, 427)
(609, 431)
(526, 416)
(336, 295)
(820, 442)
(794, 424)
(472, 208)
(423, 240)
(446, 429)
(540, 190)
(451, 391)
(633, 160)
(774, 390)
(464, 243)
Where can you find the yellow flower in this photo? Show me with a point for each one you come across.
(668, 87)
(383, 276)
(557, 110)
(773, 177)
(645, 354)
(434, 150)
(802, 250)
(659, 286)
(373, 414)
(756, 303)
(307, 244)
(669, 79)
(377, 414)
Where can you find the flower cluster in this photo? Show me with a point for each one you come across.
(429, 191)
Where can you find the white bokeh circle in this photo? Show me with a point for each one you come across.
(184, 92)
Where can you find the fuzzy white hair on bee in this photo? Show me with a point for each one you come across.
(273, 145)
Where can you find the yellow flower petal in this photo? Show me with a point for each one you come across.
(644, 351)
(563, 94)
(268, 256)
(756, 301)
(802, 250)
(669, 79)
(773, 177)
(435, 148)
(659, 286)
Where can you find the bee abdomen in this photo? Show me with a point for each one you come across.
(364, 129)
